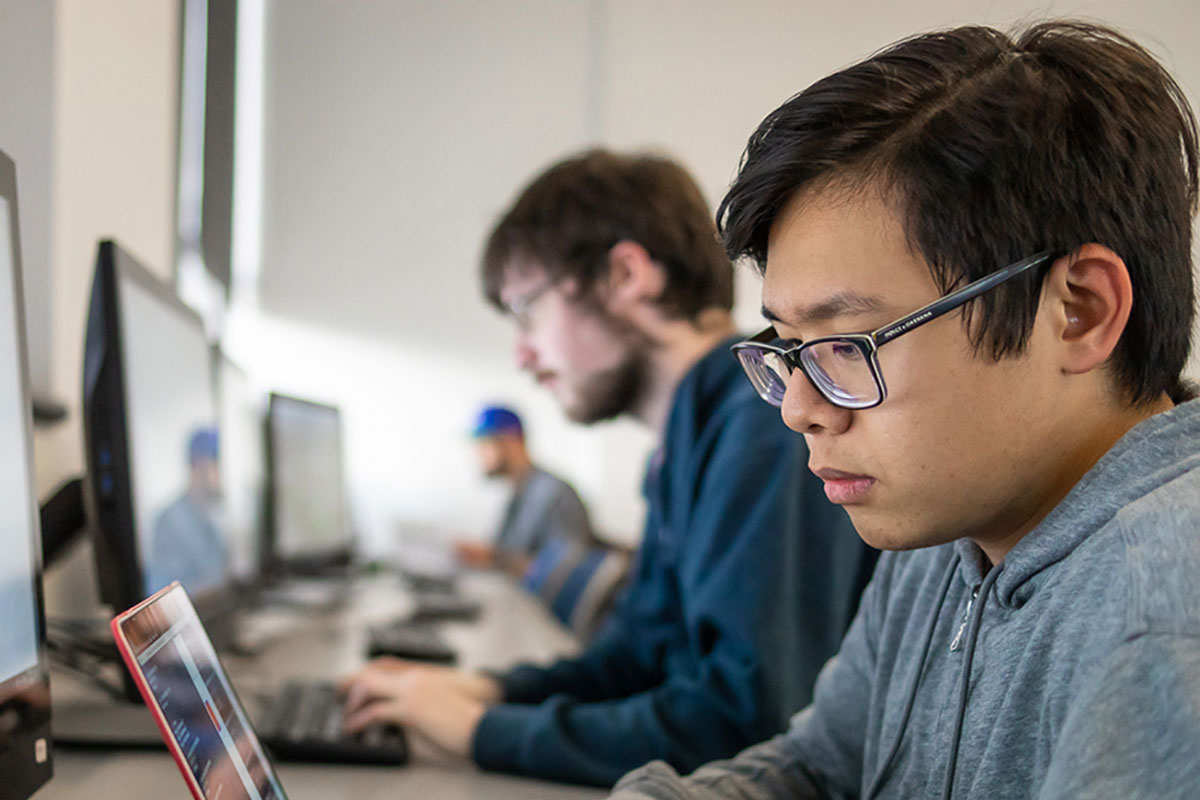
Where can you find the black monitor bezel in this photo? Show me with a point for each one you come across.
(315, 562)
(109, 489)
(19, 764)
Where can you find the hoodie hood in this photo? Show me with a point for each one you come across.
(1152, 453)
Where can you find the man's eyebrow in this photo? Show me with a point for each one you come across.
(841, 304)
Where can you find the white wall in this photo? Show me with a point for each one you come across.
(395, 133)
(116, 73)
(115, 69)
(26, 133)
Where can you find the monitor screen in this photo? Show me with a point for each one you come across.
(173, 442)
(153, 483)
(200, 715)
(242, 470)
(308, 496)
(24, 689)
(19, 634)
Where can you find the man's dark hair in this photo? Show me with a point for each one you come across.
(992, 148)
(568, 219)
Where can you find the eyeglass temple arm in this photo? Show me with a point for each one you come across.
(765, 336)
(955, 299)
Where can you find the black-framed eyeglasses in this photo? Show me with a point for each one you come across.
(845, 369)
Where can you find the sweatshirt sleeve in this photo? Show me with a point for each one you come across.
(607, 669)
(1136, 731)
(734, 576)
(821, 754)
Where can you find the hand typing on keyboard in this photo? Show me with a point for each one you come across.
(441, 703)
(303, 721)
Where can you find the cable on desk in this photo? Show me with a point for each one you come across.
(78, 646)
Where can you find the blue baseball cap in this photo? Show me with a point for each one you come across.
(202, 446)
(495, 420)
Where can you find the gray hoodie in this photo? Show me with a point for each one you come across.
(1071, 669)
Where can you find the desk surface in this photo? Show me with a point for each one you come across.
(513, 627)
(98, 776)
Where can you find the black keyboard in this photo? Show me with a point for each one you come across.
(439, 606)
(412, 641)
(303, 722)
(430, 582)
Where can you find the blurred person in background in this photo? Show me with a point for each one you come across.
(746, 577)
(542, 508)
(186, 544)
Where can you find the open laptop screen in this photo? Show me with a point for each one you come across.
(185, 686)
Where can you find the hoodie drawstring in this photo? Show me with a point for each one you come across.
(877, 781)
(968, 657)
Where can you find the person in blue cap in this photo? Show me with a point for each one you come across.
(543, 507)
(185, 545)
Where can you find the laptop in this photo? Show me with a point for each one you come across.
(200, 717)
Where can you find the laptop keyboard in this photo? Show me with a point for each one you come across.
(303, 722)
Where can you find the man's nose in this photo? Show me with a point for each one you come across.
(524, 353)
(805, 410)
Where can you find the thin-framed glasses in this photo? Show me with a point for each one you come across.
(845, 369)
(521, 307)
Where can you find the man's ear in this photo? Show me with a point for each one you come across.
(633, 277)
(1089, 296)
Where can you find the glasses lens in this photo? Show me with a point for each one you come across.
(766, 371)
(521, 308)
(841, 370)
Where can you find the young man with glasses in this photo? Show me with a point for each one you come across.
(977, 265)
(747, 576)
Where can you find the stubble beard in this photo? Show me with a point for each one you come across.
(617, 390)
(611, 393)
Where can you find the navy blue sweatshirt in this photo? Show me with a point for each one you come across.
(745, 582)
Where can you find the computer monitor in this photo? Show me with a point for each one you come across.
(153, 479)
(25, 762)
(243, 469)
(308, 525)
